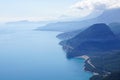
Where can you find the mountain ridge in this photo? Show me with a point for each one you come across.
(106, 17)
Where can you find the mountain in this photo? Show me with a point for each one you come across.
(106, 17)
(62, 26)
(12, 27)
(109, 16)
(69, 35)
(27, 23)
(101, 46)
(107, 65)
(96, 38)
(115, 27)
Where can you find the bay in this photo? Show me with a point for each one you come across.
(37, 55)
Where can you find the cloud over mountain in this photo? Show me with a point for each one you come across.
(85, 7)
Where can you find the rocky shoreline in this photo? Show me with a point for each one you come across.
(90, 67)
(88, 62)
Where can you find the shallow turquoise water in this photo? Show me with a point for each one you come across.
(36, 55)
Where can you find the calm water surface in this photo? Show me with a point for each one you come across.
(36, 55)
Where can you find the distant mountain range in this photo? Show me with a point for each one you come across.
(27, 23)
(108, 16)
(12, 27)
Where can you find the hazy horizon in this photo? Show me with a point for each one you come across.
(48, 10)
(33, 10)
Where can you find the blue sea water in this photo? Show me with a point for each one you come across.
(36, 55)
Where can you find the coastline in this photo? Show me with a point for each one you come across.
(84, 57)
(87, 61)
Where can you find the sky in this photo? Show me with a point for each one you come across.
(45, 10)
(11, 10)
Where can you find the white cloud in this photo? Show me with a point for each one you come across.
(85, 7)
